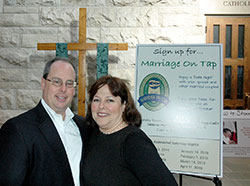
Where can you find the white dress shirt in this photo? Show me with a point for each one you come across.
(71, 139)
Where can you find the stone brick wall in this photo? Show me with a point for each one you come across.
(24, 23)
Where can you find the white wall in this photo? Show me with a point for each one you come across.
(24, 23)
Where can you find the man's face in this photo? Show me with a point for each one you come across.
(59, 98)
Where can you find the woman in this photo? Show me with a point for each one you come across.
(118, 152)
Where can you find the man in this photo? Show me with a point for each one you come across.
(43, 146)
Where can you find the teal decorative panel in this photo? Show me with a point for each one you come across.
(102, 59)
(62, 50)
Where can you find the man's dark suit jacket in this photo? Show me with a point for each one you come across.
(32, 153)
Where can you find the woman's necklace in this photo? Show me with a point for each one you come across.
(118, 127)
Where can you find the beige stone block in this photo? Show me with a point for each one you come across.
(126, 74)
(34, 79)
(1, 6)
(199, 39)
(22, 9)
(13, 75)
(39, 30)
(132, 36)
(9, 37)
(31, 40)
(93, 35)
(59, 16)
(186, 9)
(124, 59)
(7, 99)
(7, 114)
(19, 20)
(154, 2)
(148, 18)
(122, 2)
(32, 2)
(177, 20)
(68, 34)
(12, 85)
(164, 35)
(83, 2)
(137, 17)
(124, 19)
(167, 2)
(13, 57)
(27, 99)
(97, 17)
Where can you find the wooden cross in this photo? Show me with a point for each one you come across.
(82, 46)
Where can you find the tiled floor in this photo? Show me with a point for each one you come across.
(236, 172)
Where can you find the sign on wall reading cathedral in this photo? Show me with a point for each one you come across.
(225, 7)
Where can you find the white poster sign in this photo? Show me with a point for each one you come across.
(179, 94)
(236, 133)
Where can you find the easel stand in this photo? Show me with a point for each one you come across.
(215, 180)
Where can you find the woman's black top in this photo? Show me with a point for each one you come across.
(124, 158)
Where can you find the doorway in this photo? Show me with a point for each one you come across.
(234, 33)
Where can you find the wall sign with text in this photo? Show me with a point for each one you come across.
(179, 94)
(236, 133)
(225, 7)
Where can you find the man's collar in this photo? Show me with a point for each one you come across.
(68, 113)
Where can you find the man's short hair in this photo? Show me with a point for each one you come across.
(48, 65)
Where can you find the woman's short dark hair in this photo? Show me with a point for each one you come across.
(226, 130)
(119, 88)
(47, 67)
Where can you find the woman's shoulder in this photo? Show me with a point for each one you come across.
(133, 130)
(135, 135)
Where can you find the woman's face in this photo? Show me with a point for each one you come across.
(106, 109)
(228, 134)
